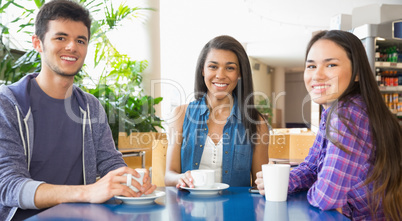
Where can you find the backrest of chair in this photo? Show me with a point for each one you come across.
(159, 148)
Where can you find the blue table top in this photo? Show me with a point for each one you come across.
(234, 203)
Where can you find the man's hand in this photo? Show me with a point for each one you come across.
(114, 184)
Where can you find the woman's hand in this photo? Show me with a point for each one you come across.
(260, 183)
(185, 180)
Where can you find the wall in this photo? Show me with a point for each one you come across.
(279, 92)
(185, 27)
(297, 104)
(152, 75)
(261, 80)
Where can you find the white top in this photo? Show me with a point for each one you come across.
(212, 158)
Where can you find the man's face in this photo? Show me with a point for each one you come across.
(64, 47)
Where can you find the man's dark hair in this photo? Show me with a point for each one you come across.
(61, 9)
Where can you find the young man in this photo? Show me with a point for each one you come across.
(54, 138)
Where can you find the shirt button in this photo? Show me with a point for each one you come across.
(226, 152)
(226, 171)
(196, 164)
(205, 128)
(226, 133)
(200, 145)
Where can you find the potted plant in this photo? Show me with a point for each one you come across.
(118, 87)
(264, 106)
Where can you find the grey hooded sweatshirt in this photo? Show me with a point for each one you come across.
(17, 189)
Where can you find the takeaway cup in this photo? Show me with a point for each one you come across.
(276, 181)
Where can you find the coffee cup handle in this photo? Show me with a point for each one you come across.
(129, 178)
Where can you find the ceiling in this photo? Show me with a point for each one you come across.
(274, 32)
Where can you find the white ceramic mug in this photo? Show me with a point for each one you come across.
(131, 177)
(203, 178)
(276, 181)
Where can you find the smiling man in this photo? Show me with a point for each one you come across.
(54, 138)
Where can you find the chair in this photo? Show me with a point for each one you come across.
(137, 148)
(159, 148)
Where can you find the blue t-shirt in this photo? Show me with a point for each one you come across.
(57, 148)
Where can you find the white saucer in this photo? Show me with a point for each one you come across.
(207, 191)
(146, 199)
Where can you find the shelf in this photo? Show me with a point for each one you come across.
(390, 88)
(384, 64)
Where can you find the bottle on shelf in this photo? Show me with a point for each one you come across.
(378, 77)
(386, 78)
(395, 78)
(394, 54)
(377, 53)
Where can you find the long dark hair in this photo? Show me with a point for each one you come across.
(244, 89)
(387, 133)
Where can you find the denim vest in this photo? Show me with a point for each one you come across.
(237, 149)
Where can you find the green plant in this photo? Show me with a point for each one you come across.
(264, 106)
(118, 87)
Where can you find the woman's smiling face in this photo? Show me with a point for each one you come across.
(221, 72)
(328, 72)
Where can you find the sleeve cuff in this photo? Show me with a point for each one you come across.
(27, 195)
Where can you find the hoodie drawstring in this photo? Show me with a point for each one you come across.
(21, 134)
(83, 144)
(26, 146)
(27, 133)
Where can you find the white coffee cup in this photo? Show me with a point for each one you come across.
(130, 177)
(276, 181)
(203, 178)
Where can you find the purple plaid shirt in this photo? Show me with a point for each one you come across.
(333, 177)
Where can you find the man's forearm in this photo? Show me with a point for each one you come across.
(48, 195)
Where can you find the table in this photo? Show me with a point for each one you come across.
(234, 203)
